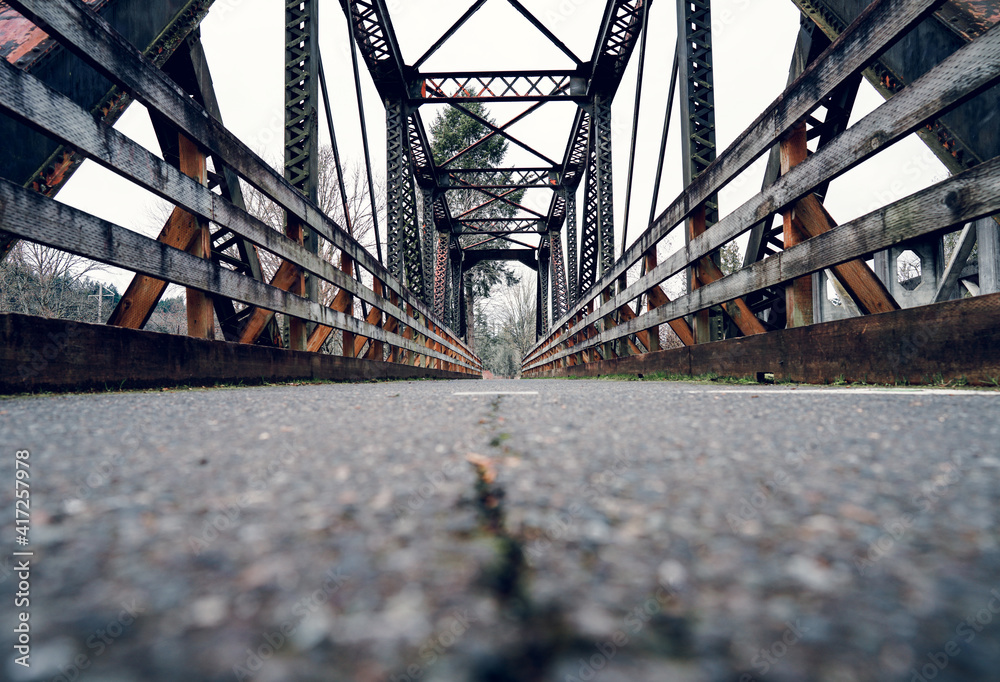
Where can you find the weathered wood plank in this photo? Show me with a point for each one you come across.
(955, 201)
(39, 354)
(952, 341)
(875, 29)
(962, 76)
(200, 311)
(94, 41)
(30, 216)
(798, 292)
(31, 101)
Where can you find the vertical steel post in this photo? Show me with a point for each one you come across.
(697, 101)
(397, 167)
(441, 268)
(605, 185)
(590, 236)
(302, 129)
(428, 247)
(572, 266)
(544, 251)
(558, 276)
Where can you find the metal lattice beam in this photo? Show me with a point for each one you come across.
(441, 276)
(397, 162)
(697, 97)
(558, 276)
(429, 241)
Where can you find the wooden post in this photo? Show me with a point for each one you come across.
(799, 293)
(653, 344)
(200, 311)
(298, 330)
(702, 327)
(347, 266)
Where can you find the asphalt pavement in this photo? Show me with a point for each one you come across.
(503, 530)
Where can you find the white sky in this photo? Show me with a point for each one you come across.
(753, 42)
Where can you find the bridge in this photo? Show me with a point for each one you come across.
(717, 528)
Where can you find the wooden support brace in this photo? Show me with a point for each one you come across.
(143, 293)
(285, 279)
(798, 292)
(810, 218)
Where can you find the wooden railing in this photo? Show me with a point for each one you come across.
(400, 327)
(608, 321)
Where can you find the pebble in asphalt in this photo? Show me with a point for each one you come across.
(508, 530)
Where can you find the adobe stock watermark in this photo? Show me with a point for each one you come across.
(272, 641)
(965, 632)
(99, 642)
(55, 346)
(101, 473)
(426, 490)
(559, 523)
(226, 517)
(435, 647)
(632, 624)
(750, 508)
(896, 529)
(767, 658)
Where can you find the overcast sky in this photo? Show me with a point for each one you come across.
(753, 42)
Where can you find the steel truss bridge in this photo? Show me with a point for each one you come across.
(71, 68)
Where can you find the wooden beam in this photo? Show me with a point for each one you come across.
(859, 281)
(200, 311)
(285, 278)
(41, 354)
(701, 320)
(143, 293)
(798, 292)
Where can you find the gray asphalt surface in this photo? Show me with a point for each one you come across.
(588, 530)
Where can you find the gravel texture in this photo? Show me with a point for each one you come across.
(588, 530)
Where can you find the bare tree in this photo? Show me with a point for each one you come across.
(37, 280)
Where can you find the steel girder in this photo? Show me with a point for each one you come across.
(605, 185)
(618, 37)
(558, 275)
(697, 98)
(301, 96)
(544, 259)
(454, 289)
(403, 248)
(441, 276)
(515, 86)
(959, 138)
(378, 44)
(590, 235)
(501, 178)
(429, 242)
(301, 119)
(473, 257)
(592, 84)
(572, 253)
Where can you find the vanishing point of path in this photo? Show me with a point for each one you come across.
(507, 530)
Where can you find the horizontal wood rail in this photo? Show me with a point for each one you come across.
(582, 336)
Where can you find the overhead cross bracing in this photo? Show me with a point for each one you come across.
(591, 85)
